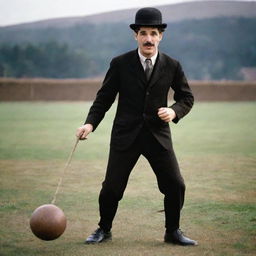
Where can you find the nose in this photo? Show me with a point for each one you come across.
(148, 38)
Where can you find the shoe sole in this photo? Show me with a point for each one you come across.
(182, 244)
(102, 241)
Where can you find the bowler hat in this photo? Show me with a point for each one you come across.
(148, 17)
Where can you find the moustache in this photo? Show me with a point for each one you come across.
(148, 44)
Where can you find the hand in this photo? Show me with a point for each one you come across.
(166, 114)
(83, 131)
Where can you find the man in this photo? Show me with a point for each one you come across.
(142, 79)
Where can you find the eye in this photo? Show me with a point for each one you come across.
(154, 33)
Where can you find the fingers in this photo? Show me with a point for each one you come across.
(81, 133)
(83, 137)
(166, 114)
(163, 114)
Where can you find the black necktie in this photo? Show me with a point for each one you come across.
(149, 68)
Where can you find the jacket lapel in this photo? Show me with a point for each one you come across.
(158, 70)
(136, 67)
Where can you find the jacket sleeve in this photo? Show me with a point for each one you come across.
(105, 97)
(183, 96)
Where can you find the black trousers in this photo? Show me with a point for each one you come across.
(165, 167)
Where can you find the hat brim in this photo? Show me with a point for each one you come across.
(135, 26)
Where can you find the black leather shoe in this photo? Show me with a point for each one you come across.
(176, 237)
(98, 236)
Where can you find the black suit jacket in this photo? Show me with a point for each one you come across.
(139, 100)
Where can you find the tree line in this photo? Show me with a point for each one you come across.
(216, 48)
(50, 59)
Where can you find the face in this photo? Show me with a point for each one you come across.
(148, 40)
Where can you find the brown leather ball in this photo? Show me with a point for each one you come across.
(48, 222)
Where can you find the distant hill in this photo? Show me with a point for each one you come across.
(213, 40)
(171, 13)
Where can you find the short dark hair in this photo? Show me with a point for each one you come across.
(137, 29)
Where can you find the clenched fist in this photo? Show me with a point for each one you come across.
(166, 114)
(83, 131)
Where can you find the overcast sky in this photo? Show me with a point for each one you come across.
(19, 11)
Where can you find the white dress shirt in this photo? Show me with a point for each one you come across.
(142, 59)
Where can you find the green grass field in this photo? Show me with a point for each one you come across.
(215, 145)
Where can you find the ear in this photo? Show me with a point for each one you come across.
(135, 36)
(161, 36)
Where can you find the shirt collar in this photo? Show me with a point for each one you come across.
(142, 58)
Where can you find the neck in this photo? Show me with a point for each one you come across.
(148, 55)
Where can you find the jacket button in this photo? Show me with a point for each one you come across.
(147, 93)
